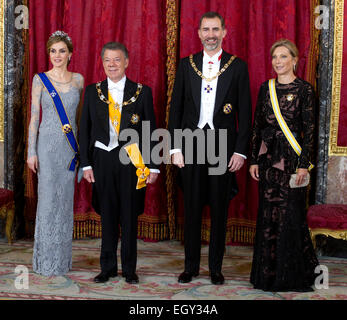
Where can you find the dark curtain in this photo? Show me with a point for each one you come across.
(252, 26)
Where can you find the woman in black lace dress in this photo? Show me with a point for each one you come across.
(284, 258)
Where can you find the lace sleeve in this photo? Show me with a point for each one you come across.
(80, 86)
(258, 124)
(78, 81)
(81, 83)
(35, 115)
(307, 112)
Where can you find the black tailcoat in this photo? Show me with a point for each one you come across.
(94, 126)
(115, 196)
(199, 188)
(232, 88)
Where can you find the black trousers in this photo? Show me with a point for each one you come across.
(114, 186)
(200, 188)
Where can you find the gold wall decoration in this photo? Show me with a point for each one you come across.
(171, 47)
(334, 149)
(2, 66)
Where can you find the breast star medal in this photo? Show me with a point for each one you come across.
(290, 97)
(135, 118)
(227, 108)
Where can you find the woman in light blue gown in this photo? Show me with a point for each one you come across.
(49, 155)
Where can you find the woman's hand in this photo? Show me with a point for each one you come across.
(254, 171)
(32, 163)
(300, 176)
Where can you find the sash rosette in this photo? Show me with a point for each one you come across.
(142, 171)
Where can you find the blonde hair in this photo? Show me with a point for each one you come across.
(292, 48)
(288, 44)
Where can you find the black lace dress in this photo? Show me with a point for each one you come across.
(284, 258)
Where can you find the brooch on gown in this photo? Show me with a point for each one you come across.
(290, 97)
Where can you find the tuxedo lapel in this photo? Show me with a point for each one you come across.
(128, 110)
(224, 81)
(102, 107)
(196, 80)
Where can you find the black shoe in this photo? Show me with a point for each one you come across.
(186, 276)
(217, 278)
(131, 278)
(103, 276)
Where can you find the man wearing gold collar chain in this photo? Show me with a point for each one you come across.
(111, 106)
(211, 92)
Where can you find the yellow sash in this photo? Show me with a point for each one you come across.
(114, 113)
(276, 108)
(136, 158)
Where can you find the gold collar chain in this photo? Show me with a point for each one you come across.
(199, 73)
(131, 100)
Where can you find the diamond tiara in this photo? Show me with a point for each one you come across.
(60, 34)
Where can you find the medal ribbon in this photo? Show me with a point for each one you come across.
(114, 113)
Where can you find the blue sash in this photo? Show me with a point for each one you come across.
(66, 127)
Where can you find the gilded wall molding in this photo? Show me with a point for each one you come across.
(2, 66)
(334, 149)
(172, 11)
